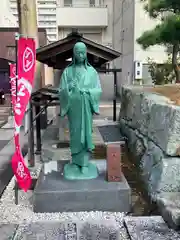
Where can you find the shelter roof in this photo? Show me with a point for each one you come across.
(59, 53)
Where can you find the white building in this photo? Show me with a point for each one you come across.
(129, 22)
(93, 18)
(6, 17)
(46, 15)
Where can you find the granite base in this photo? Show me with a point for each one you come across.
(55, 230)
(149, 228)
(53, 193)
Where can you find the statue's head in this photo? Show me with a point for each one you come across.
(80, 52)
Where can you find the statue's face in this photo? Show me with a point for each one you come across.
(80, 52)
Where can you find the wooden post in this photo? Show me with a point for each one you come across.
(27, 15)
(114, 162)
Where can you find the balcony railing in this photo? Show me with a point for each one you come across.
(83, 5)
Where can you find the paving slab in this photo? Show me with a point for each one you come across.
(169, 206)
(149, 228)
(54, 230)
(6, 154)
(53, 193)
(3, 143)
(51, 137)
(7, 231)
(111, 133)
(2, 122)
(5, 176)
(6, 134)
(41, 230)
(9, 124)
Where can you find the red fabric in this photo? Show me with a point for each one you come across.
(20, 170)
(26, 59)
(13, 82)
(26, 73)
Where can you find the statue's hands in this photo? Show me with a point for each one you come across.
(72, 85)
(83, 91)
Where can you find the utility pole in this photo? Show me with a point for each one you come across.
(27, 15)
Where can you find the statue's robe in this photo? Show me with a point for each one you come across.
(79, 95)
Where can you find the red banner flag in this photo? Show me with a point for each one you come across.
(13, 79)
(20, 170)
(13, 83)
(26, 72)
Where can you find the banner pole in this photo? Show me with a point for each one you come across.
(10, 88)
(16, 46)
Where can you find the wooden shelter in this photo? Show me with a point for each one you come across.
(57, 54)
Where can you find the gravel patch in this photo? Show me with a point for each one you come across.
(23, 212)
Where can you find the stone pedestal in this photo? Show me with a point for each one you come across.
(53, 193)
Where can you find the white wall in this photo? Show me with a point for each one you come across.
(129, 22)
(107, 85)
(82, 16)
(103, 34)
(107, 32)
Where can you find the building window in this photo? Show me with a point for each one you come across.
(11, 52)
(92, 3)
(101, 2)
(67, 3)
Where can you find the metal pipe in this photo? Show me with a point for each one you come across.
(38, 130)
(16, 49)
(32, 127)
(115, 96)
(42, 110)
(31, 138)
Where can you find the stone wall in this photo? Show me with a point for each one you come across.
(152, 125)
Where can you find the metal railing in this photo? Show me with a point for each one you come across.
(82, 5)
(39, 103)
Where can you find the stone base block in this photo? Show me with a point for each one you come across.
(53, 193)
(169, 206)
(149, 228)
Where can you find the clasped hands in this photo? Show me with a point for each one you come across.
(75, 87)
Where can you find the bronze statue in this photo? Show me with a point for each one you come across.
(79, 95)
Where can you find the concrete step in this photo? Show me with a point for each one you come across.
(151, 228)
